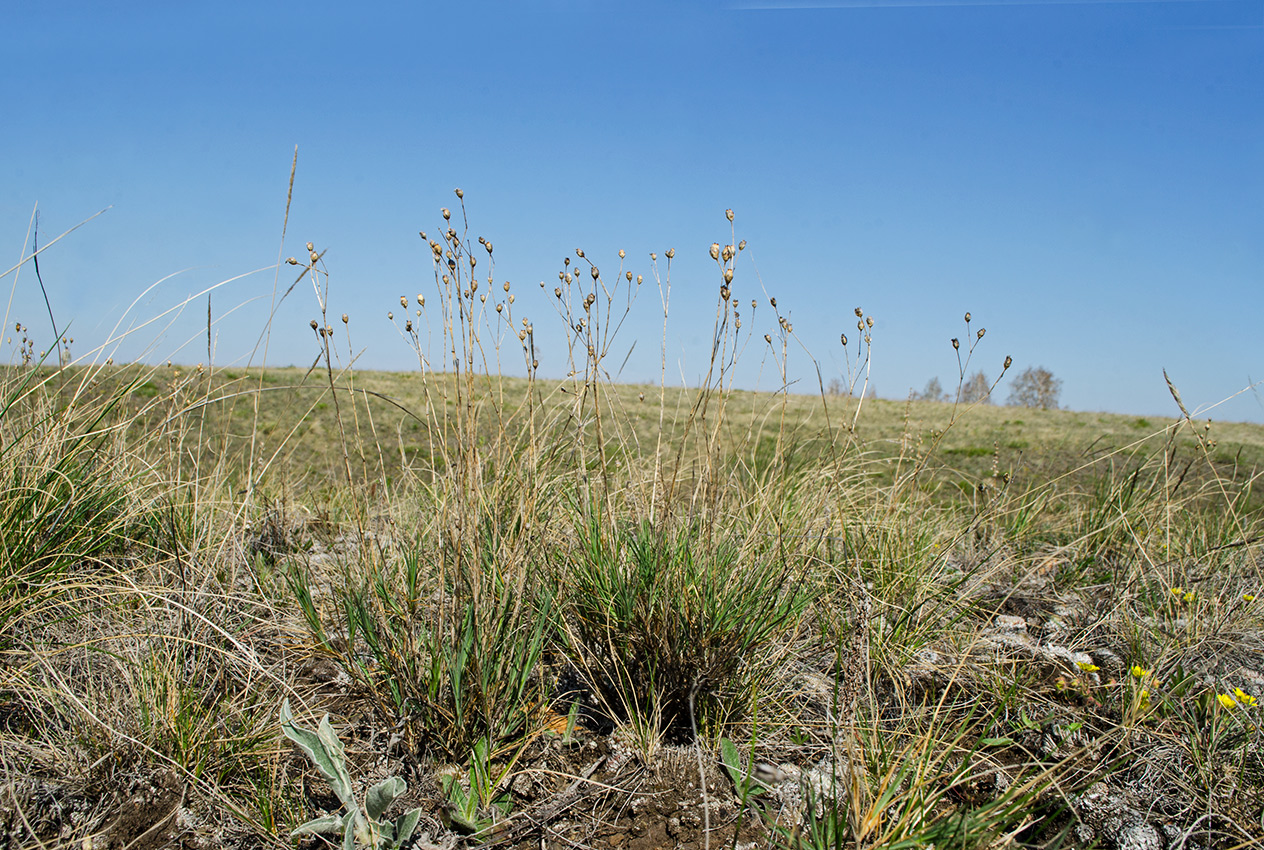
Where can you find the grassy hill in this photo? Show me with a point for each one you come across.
(586, 613)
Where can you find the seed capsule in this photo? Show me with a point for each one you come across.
(728, 275)
(955, 344)
(842, 338)
(728, 214)
(447, 214)
(715, 250)
(403, 301)
(768, 338)
(859, 312)
(967, 317)
(311, 247)
(345, 318)
(579, 252)
(595, 273)
(982, 331)
(291, 261)
(869, 321)
(622, 253)
(1009, 361)
(772, 301)
(460, 194)
(671, 252)
(314, 324)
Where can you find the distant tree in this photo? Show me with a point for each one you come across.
(976, 389)
(933, 392)
(1035, 388)
(837, 387)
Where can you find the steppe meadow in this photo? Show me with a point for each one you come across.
(812, 425)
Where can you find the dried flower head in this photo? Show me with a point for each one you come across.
(728, 275)
(622, 253)
(967, 317)
(291, 261)
(579, 252)
(488, 246)
(311, 247)
(956, 345)
(447, 214)
(981, 332)
(459, 193)
(594, 272)
(842, 338)
(772, 301)
(1009, 361)
(345, 318)
(728, 214)
(715, 250)
(768, 338)
(671, 252)
(403, 301)
(408, 326)
(860, 325)
(859, 312)
(313, 323)
(500, 307)
(868, 321)
(724, 293)
(557, 290)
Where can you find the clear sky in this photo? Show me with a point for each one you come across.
(1087, 178)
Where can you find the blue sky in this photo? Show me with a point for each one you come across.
(1087, 178)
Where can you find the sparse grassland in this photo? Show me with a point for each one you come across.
(576, 613)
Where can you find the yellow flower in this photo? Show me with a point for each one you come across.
(1248, 597)
(1189, 597)
(1243, 697)
(1227, 701)
(1178, 592)
(1143, 699)
(1087, 667)
(1138, 672)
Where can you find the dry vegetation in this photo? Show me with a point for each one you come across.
(575, 613)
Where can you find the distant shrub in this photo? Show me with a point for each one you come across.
(976, 389)
(1037, 388)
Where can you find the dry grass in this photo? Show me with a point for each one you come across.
(929, 622)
